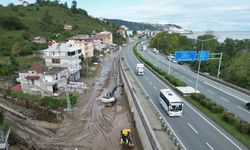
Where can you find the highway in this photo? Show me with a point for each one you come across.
(194, 130)
(230, 99)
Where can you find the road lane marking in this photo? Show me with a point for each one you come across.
(209, 146)
(192, 128)
(151, 83)
(225, 99)
(199, 86)
(225, 92)
(190, 81)
(164, 84)
(155, 88)
(146, 78)
(210, 91)
(243, 109)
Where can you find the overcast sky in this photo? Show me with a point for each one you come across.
(197, 15)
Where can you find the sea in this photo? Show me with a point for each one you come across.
(222, 35)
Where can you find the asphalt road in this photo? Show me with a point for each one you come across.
(194, 130)
(229, 98)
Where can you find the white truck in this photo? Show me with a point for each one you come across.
(143, 47)
(139, 69)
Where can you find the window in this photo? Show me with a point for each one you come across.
(56, 61)
(79, 51)
(71, 53)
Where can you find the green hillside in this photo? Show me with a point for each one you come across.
(19, 25)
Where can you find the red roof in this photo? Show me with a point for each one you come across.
(29, 77)
(37, 67)
(16, 88)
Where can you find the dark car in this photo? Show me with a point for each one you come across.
(248, 106)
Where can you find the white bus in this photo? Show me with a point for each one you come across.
(170, 102)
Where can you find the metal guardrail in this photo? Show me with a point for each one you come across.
(153, 141)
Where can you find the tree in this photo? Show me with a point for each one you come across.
(16, 49)
(13, 62)
(73, 7)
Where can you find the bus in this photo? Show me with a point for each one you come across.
(170, 102)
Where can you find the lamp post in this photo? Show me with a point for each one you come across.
(158, 45)
(199, 66)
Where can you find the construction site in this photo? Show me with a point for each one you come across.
(91, 125)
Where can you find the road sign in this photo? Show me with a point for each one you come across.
(203, 55)
(185, 55)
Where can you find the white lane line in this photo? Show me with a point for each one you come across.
(226, 92)
(243, 109)
(151, 83)
(209, 146)
(155, 88)
(146, 78)
(201, 116)
(210, 91)
(190, 81)
(225, 99)
(192, 128)
(199, 86)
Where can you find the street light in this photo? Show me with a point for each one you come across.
(158, 44)
(199, 66)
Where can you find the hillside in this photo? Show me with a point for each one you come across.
(143, 26)
(20, 25)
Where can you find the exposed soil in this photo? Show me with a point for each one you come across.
(91, 126)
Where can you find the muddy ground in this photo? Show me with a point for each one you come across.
(91, 126)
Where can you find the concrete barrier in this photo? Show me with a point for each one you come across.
(148, 139)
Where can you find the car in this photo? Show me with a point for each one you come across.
(248, 105)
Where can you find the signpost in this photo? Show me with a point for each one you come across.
(203, 55)
(185, 55)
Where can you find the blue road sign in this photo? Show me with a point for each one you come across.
(185, 55)
(203, 55)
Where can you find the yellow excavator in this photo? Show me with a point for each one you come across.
(126, 139)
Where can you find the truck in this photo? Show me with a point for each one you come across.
(143, 47)
(139, 69)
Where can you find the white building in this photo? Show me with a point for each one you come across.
(66, 56)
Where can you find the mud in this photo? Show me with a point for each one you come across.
(91, 126)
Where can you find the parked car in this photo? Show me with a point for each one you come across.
(248, 105)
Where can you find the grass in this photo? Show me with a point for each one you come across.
(24, 61)
(245, 139)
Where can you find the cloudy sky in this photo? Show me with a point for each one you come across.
(197, 15)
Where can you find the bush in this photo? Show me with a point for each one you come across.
(229, 118)
(198, 96)
(26, 96)
(73, 98)
(52, 102)
(243, 127)
(217, 109)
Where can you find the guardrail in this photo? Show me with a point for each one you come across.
(154, 144)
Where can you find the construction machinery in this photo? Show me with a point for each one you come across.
(109, 99)
(126, 139)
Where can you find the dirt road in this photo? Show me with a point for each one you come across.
(91, 126)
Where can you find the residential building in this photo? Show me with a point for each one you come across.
(41, 80)
(105, 36)
(67, 27)
(123, 31)
(85, 42)
(64, 55)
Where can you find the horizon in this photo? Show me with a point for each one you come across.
(195, 15)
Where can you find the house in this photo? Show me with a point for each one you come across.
(67, 27)
(23, 3)
(39, 40)
(64, 55)
(41, 80)
(105, 36)
(123, 31)
(85, 42)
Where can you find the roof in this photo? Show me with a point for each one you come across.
(66, 47)
(54, 70)
(170, 95)
(16, 88)
(80, 37)
(39, 68)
